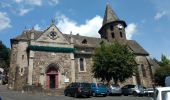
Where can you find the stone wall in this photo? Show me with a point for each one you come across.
(18, 65)
(145, 80)
(41, 62)
(13, 65)
(85, 76)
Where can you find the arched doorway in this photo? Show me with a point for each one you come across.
(52, 77)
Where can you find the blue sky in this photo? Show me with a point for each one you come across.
(148, 20)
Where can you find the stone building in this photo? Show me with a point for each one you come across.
(53, 59)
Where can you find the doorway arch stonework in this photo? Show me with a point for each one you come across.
(51, 70)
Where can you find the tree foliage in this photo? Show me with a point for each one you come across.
(163, 71)
(113, 61)
(4, 57)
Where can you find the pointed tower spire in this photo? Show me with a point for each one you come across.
(109, 15)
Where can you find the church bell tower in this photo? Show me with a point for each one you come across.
(113, 29)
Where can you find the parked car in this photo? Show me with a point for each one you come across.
(167, 81)
(99, 89)
(136, 90)
(115, 90)
(148, 92)
(78, 89)
(162, 93)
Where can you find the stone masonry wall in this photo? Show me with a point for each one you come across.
(83, 76)
(43, 59)
(18, 65)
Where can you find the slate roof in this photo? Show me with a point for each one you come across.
(26, 35)
(136, 48)
(77, 41)
(109, 15)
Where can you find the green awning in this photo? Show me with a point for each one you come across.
(50, 49)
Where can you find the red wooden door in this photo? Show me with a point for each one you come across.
(47, 81)
(56, 81)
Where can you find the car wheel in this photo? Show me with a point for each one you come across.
(94, 94)
(134, 93)
(104, 95)
(88, 96)
(75, 95)
(65, 93)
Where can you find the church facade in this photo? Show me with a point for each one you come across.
(53, 59)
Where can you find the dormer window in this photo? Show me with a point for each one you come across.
(84, 41)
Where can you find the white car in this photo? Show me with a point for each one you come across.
(162, 93)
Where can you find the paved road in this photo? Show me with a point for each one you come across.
(14, 95)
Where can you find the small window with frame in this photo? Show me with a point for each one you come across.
(143, 70)
(82, 65)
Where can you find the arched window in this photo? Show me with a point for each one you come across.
(111, 27)
(81, 64)
(113, 35)
(143, 70)
(121, 34)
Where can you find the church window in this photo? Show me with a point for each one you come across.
(143, 70)
(82, 65)
(111, 27)
(113, 35)
(121, 34)
(21, 71)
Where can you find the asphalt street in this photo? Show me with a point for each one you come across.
(6, 94)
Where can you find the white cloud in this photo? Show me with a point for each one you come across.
(23, 11)
(159, 15)
(53, 2)
(30, 2)
(37, 27)
(18, 1)
(89, 28)
(34, 2)
(4, 21)
(131, 29)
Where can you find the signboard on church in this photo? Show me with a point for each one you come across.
(66, 80)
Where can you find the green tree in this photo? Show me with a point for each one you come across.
(113, 61)
(4, 57)
(163, 71)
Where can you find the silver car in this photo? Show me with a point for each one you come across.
(115, 90)
(136, 90)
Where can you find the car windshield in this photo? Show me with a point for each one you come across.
(114, 85)
(140, 87)
(101, 85)
(165, 95)
(85, 85)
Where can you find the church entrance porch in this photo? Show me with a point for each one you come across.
(52, 78)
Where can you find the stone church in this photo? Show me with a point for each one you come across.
(52, 59)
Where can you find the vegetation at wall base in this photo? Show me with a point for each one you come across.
(163, 71)
(4, 59)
